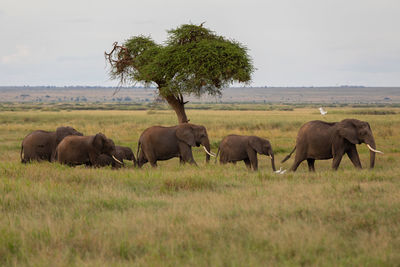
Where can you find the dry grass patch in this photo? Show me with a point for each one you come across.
(51, 214)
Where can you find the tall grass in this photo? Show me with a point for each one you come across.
(51, 214)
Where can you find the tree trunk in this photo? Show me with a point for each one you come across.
(178, 106)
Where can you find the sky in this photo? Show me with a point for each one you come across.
(291, 42)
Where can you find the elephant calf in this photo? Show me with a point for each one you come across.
(41, 145)
(235, 148)
(326, 140)
(77, 150)
(121, 153)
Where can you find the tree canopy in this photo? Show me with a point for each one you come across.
(192, 61)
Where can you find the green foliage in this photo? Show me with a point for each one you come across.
(194, 60)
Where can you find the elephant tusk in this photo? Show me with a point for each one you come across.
(270, 156)
(117, 160)
(374, 150)
(211, 154)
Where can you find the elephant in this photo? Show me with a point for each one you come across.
(163, 143)
(41, 145)
(77, 150)
(121, 153)
(235, 148)
(325, 140)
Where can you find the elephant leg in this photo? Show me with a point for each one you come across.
(299, 158)
(246, 162)
(222, 158)
(353, 155)
(141, 159)
(310, 163)
(337, 158)
(223, 161)
(93, 157)
(252, 154)
(186, 153)
(296, 164)
(151, 158)
(153, 163)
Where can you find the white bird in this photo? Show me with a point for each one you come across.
(280, 171)
(323, 112)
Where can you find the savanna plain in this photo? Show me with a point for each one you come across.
(54, 215)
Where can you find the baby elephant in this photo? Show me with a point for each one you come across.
(235, 148)
(121, 153)
(77, 150)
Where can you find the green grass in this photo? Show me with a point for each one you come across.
(51, 214)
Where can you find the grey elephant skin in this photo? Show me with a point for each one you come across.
(235, 148)
(41, 145)
(163, 143)
(121, 153)
(77, 150)
(319, 140)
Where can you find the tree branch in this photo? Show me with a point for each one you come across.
(180, 99)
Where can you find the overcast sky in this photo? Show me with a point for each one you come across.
(292, 42)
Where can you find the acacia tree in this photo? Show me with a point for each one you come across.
(193, 61)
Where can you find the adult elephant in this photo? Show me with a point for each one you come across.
(324, 140)
(121, 153)
(163, 143)
(41, 145)
(235, 148)
(77, 150)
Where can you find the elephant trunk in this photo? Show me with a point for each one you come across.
(272, 161)
(371, 153)
(206, 143)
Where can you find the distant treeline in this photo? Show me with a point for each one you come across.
(8, 106)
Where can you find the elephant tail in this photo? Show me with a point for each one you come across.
(137, 152)
(134, 160)
(288, 156)
(216, 156)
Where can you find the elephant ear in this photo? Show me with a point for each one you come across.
(61, 133)
(185, 134)
(98, 142)
(256, 144)
(349, 132)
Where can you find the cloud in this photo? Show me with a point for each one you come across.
(77, 20)
(22, 52)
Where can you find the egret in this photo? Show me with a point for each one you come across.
(323, 112)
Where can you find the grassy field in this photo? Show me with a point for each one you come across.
(53, 215)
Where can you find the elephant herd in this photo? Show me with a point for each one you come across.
(316, 140)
